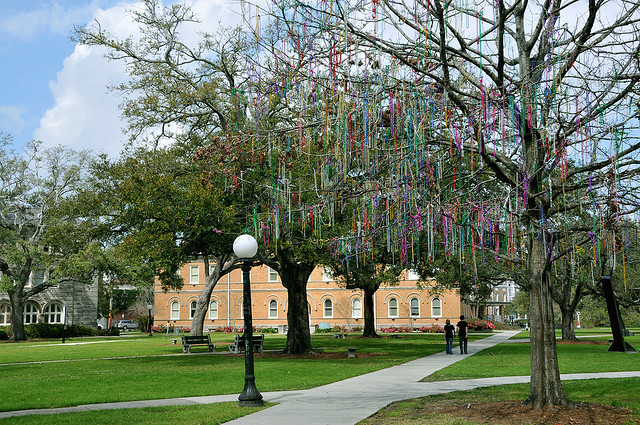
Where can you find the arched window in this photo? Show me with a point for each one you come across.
(5, 314)
(328, 308)
(192, 309)
(213, 309)
(414, 305)
(273, 309)
(393, 307)
(175, 310)
(52, 313)
(30, 313)
(436, 307)
(356, 308)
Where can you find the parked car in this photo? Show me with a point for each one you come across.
(125, 325)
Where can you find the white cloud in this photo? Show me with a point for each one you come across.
(86, 115)
(47, 18)
(11, 118)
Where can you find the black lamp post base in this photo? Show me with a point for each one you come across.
(250, 396)
(251, 403)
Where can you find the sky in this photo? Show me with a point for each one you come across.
(54, 90)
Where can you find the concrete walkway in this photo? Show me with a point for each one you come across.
(349, 401)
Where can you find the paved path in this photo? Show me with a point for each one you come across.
(349, 401)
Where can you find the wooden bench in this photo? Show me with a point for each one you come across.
(189, 341)
(238, 344)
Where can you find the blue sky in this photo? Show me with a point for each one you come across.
(56, 91)
(34, 41)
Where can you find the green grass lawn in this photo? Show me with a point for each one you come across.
(170, 415)
(513, 359)
(96, 373)
(139, 368)
(422, 411)
(588, 332)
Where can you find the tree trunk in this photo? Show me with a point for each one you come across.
(568, 333)
(294, 277)
(202, 305)
(369, 314)
(17, 322)
(546, 388)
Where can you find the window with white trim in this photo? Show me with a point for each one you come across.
(273, 309)
(30, 313)
(273, 275)
(327, 274)
(38, 277)
(414, 306)
(436, 307)
(327, 310)
(213, 309)
(242, 309)
(356, 308)
(194, 274)
(5, 314)
(393, 307)
(192, 309)
(175, 310)
(52, 313)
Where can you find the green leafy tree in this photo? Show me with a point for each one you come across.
(212, 95)
(158, 215)
(33, 188)
(368, 277)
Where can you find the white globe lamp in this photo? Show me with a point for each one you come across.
(245, 246)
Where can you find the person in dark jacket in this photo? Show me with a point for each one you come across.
(462, 327)
(449, 330)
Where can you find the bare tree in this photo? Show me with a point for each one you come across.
(536, 98)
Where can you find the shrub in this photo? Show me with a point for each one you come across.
(227, 329)
(143, 322)
(396, 329)
(54, 330)
(3, 335)
(479, 325)
(432, 329)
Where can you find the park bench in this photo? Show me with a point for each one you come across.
(238, 344)
(189, 341)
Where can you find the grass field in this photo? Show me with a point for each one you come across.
(136, 367)
(513, 359)
(99, 372)
(424, 410)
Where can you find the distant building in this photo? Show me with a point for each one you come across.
(402, 305)
(501, 296)
(80, 299)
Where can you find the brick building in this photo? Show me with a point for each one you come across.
(402, 305)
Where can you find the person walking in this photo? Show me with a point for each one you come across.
(449, 330)
(462, 327)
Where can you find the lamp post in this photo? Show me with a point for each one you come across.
(246, 247)
(150, 307)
